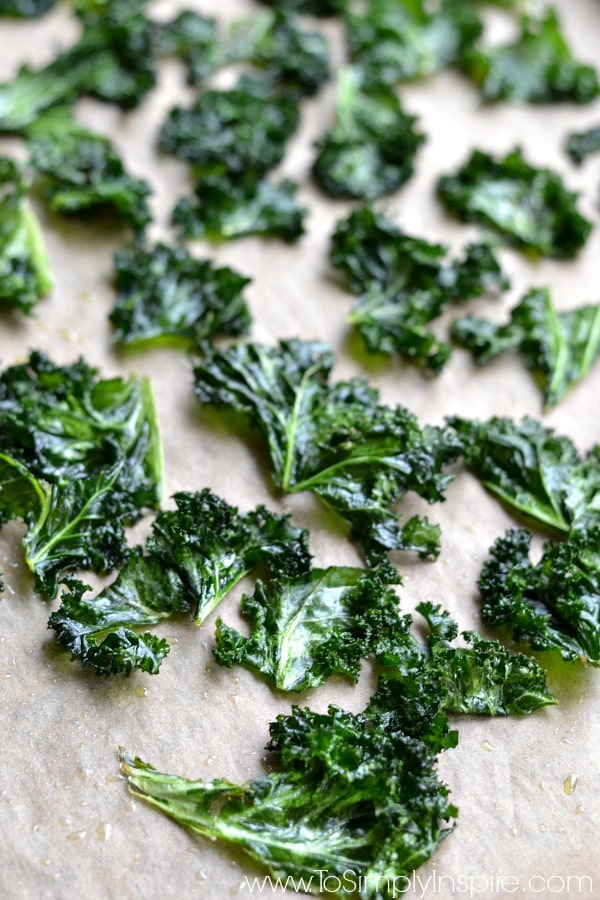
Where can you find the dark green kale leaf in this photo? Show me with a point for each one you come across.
(112, 60)
(25, 9)
(80, 172)
(403, 284)
(536, 68)
(244, 128)
(194, 39)
(529, 207)
(429, 680)
(396, 40)
(306, 628)
(581, 144)
(81, 458)
(551, 605)
(371, 149)
(193, 557)
(559, 348)
(353, 797)
(165, 293)
(224, 207)
(320, 8)
(24, 266)
(533, 470)
(289, 55)
(357, 455)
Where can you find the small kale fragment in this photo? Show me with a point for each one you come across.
(371, 149)
(534, 470)
(244, 128)
(81, 458)
(112, 60)
(581, 144)
(529, 207)
(306, 628)
(353, 796)
(25, 9)
(224, 207)
(193, 557)
(558, 348)
(288, 54)
(357, 455)
(80, 172)
(165, 293)
(24, 266)
(393, 40)
(537, 68)
(422, 682)
(553, 604)
(404, 284)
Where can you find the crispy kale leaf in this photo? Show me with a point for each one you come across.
(244, 128)
(559, 348)
(164, 293)
(81, 458)
(194, 39)
(357, 455)
(320, 8)
(581, 144)
(306, 628)
(534, 470)
(428, 680)
(403, 284)
(112, 60)
(193, 557)
(396, 40)
(551, 605)
(80, 172)
(288, 54)
(529, 207)
(24, 265)
(25, 9)
(354, 797)
(537, 68)
(371, 149)
(224, 206)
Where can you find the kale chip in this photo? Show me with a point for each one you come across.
(371, 149)
(558, 348)
(25, 9)
(165, 293)
(529, 207)
(581, 144)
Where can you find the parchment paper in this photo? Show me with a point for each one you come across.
(68, 827)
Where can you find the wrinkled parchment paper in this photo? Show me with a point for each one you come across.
(68, 827)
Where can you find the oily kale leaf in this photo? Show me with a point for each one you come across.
(25, 9)
(244, 128)
(371, 149)
(353, 797)
(537, 68)
(165, 293)
(425, 681)
(553, 604)
(404, 284)
(581, 144)
(24, 266)
(112, 60)
(288, 54)
(80, 172)
(396, 40)
(306, 628)
(193, 557)
(224, 207)
(357, 455)
(528, 206)
(534, 470)
(559, 348)
(81, 457)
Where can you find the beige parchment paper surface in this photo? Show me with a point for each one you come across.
(68, 827)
